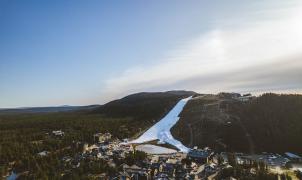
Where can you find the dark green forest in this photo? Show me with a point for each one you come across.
(23, 135)
(268, 123)
(273, 121)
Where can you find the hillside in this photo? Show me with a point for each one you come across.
(23, 134)
(146, 107)
(123, 116)
(271, 123)
(217, 121)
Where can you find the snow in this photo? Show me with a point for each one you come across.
(43, 153)
(152, 149)
(13, 176)
(291, 155)
(161, 130)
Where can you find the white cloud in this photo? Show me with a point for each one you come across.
(226, 58)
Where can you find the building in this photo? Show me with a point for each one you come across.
(293, 157)
(135, 172)
(161, 176)
(101, 138)
(87, 148)
(229, 95)
(58, 133)
(123, 176)
(245, 97)
(199, 155)
(43, 153)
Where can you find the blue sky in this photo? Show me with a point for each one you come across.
(87, 52)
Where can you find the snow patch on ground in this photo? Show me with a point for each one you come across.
(152, 149)
(13, 176)
(161, 130)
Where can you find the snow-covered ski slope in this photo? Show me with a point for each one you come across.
(161, 130)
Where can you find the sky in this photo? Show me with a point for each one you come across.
(76, 52)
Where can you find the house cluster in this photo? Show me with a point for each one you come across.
(107, 151)
(196, 164)
(273, 161)
(102, 138)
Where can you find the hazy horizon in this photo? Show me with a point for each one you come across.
(74, 105)
(78, 53)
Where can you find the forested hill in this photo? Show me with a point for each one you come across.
(271, 123)
(136, 111)
(24, 135)
(143, 106)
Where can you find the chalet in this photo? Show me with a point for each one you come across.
(199, 156)
(155, 165)
(299, 171)
(132, 169)
(75, 164)
(242, 160)
(167, 169)
(199, 172)
(245, 97)
(43, 153)
(135, 172)
(97, 176)
(229, 95)
(161, 176)
(123, 176)
(224, 156)
(87, 148)
(293, 157)
(173, 161)
(210, 169)
(101, 138)
(67, 159)
(59, 133)
(179, 173)
(111, 163)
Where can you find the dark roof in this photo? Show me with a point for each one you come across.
(161, 176)
(198, 154)
(291, 155)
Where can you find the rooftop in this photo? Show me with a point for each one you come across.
(291, 155)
